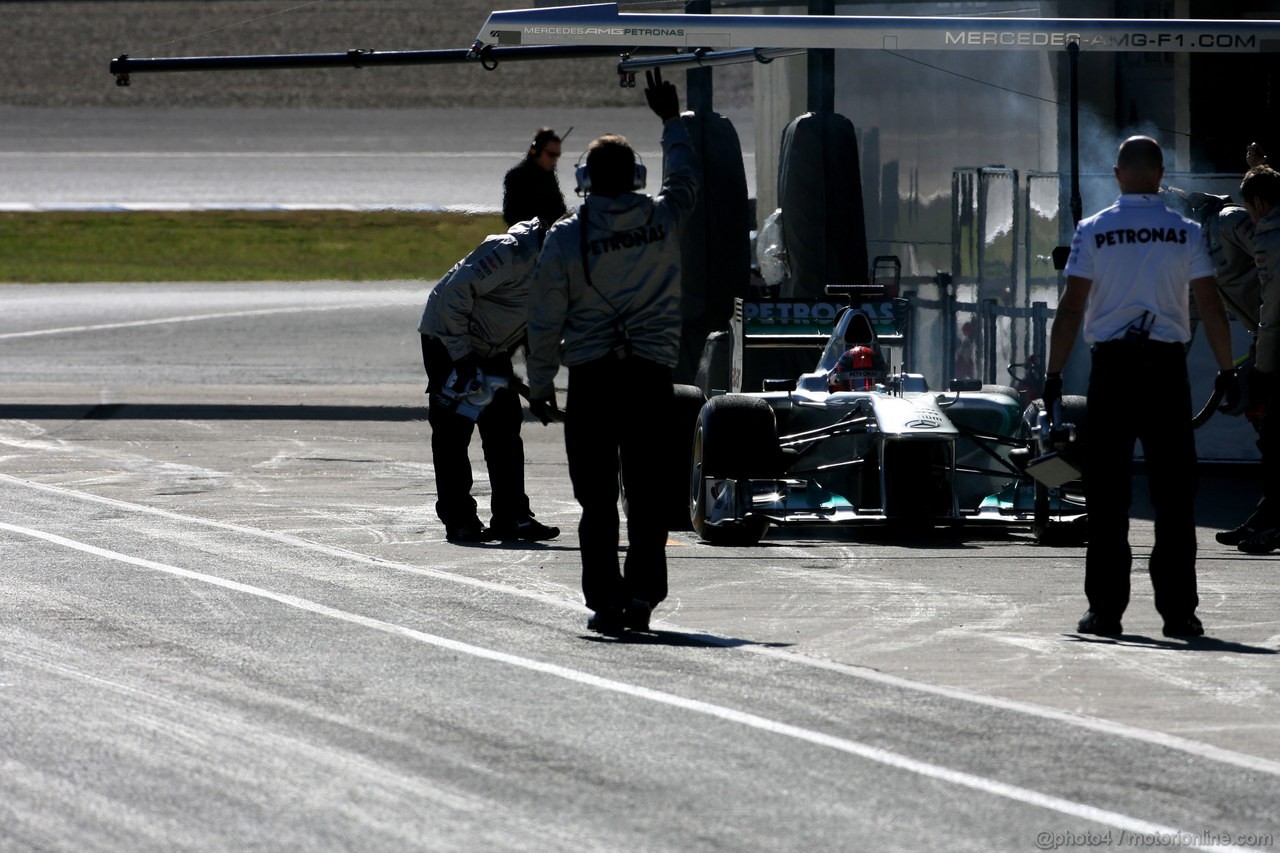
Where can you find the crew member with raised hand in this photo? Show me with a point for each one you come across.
(1127, 281)
(605, 302)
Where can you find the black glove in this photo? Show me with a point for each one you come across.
(464, 371)
(1052, 393)
(663, 98)
(545, 410)
(1227, 383)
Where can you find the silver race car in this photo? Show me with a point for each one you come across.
(854, 442)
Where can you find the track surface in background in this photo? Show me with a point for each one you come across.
(270, 158)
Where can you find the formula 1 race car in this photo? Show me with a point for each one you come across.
(852, 442)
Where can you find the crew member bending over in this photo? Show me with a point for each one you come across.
(473, 321)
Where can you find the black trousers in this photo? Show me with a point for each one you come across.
(499, 425)
(1267, 513)
(1140, 392)
(610, 428)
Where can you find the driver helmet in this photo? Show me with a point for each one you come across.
(856, 370)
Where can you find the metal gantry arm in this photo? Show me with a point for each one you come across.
(704, 58)
(487, 56)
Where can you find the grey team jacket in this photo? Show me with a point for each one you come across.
(480, 305)
(1229, 238)
(1266, 254)
(632, 243)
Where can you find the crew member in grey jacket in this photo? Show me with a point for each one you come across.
(1229, 237)
(605, 302)
(1260, 533)
(473, 321)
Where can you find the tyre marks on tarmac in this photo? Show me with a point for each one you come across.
(984, 784)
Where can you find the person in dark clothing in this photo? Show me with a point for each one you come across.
(530, 189)
(473, 320)
(1127, 285)
(605, 302)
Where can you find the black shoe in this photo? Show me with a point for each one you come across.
(1236, 535)
(611, 622)
(471, 531)
(1187, 626)
(1103, 626)
(636, 615)
(1261, 542)
(527, 530)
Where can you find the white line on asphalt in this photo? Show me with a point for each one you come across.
(895, 760)
(193, 318)
(1082, 721)
(277, 155)
(298, 542)
(240, 206)
(252, 155)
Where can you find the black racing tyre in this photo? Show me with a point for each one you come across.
(1007, 390)
(686, 406)
(1074, 411)
(715, 251)
(820, 193)
(736, 437)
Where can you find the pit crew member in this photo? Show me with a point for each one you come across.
(1260, 533)
(605, 302)
(1127, 281)
(473, 322)
(530, 188)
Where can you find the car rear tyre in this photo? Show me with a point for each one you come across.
(1074, 411)
(1007, 390)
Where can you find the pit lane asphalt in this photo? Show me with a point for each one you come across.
(231, 620)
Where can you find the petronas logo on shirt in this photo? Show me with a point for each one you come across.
(642, 236)
(1122, 236)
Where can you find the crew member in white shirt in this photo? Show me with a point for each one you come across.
(1127, 281)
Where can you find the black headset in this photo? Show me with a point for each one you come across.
(536, 148)
(583, 179)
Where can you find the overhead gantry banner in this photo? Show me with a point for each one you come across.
(603, 24)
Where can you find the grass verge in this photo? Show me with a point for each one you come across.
(235, 245)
